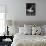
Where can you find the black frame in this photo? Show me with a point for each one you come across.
(32, 8)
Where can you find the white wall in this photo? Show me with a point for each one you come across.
(17, 10)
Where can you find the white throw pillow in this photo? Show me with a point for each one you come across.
(42, 30)
(23, 30)
(28, 31)
(36, 30)
(44, 27)
(13, 30)
(28, 26)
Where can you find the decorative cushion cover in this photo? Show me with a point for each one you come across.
(28, 26)
(28, 31)
(36, 30)
(24, 30)
(13, 30)
(44, 29)
(21, 30)
(44, 26)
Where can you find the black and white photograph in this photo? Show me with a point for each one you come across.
(30, 9)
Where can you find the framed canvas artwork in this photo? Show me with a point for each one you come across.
(30, 9)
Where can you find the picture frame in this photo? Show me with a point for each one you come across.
(30, 9)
